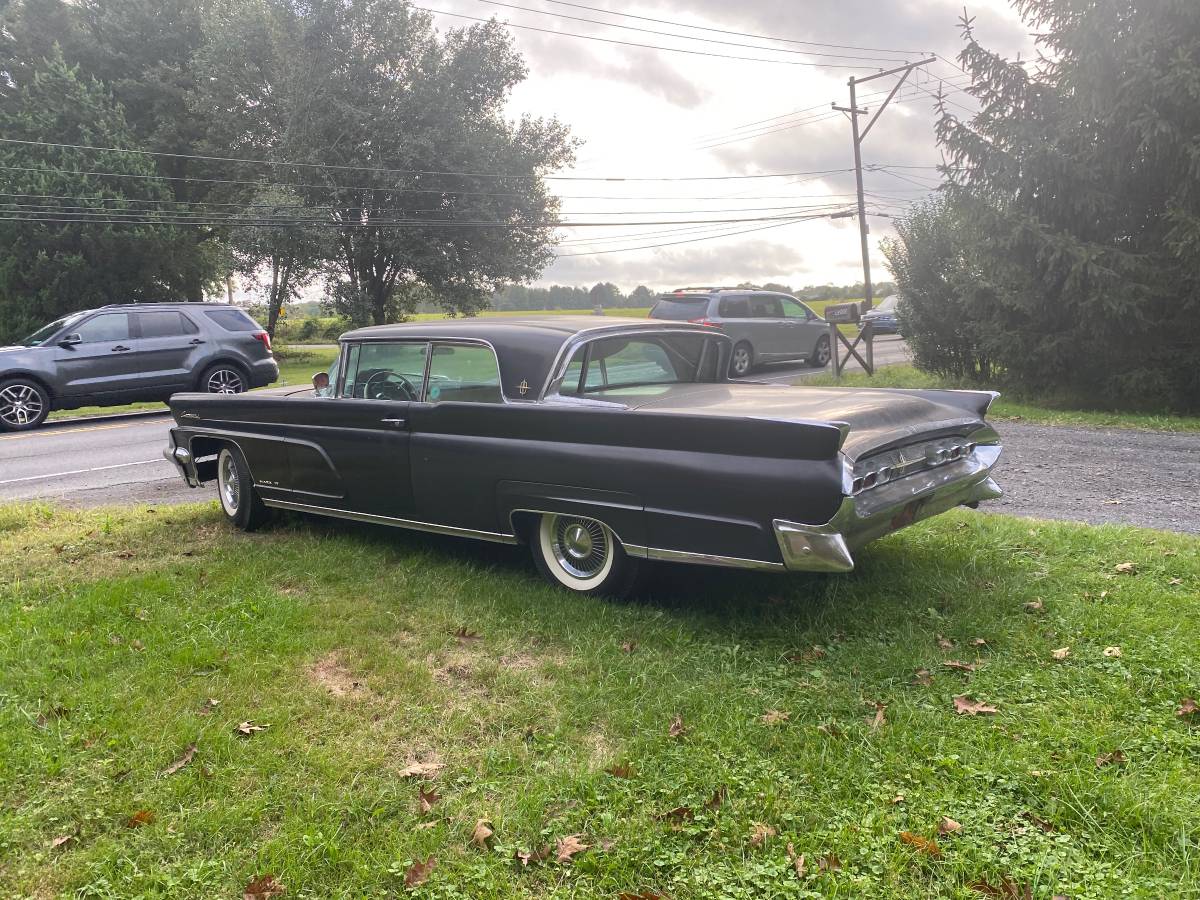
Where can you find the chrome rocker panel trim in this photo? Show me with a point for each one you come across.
(411, 524)
(865, 517)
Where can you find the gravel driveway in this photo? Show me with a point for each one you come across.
(1100, 476)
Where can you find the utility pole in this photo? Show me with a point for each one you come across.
(853, 113)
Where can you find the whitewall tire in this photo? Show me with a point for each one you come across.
(582, 555)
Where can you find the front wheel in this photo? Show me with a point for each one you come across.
(821, 353)
(235, 489)
(23, 405)
(742, 360)
(582, 555)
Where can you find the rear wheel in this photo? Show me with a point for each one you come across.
(742, 360)
(24, 405)
(582, 555)
(224, 378)
(235, 489)
(821, 353)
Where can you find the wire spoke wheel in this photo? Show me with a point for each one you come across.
(20, 405)
(225, 381)
(581, 546)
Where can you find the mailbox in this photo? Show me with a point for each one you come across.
(842, 314)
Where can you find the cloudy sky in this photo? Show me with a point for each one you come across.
(656, 114)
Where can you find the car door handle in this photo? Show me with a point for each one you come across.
(395, 423)
(195, 341)
(120, 348)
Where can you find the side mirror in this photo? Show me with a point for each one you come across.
(320, 382)
(70, 340)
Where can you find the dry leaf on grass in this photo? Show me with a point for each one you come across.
(774, 717)
(948, 826)
(641, 895)
(623, 770)
(419, 871)
(796, 859)
(1061, 653)
(979, 642)
(1112, 652)
(61, 840)
(1124, 568)
(140, 819)
(965, 706)
(1007, 889)
(804, 656)
(945, 643)
(922, 678)
(526, 857)
(926, 845)
(421, 770)
(879, 719)
(1175, 581)
(247, 728)
(830, 728)
(678, 814)
(137, 645)
(829, 862)
(465, 635)
(628, 646)
(1035, 605)
(208, 706)
(1038, 821)
(426, 799)
(959, 666)
(1187, 708)
(568, 846)
(677, 729)
(263, 888)
(720, 795)
(482, 833)
(759, 834)
(1113, 758)
(182, 761)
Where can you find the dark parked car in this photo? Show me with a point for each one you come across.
(131, 353)
(600, 443)
(764, 326)
(883, 317)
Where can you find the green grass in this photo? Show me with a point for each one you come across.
(1046, 411)
(117, 626)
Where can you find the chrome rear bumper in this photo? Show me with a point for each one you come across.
(872, 514)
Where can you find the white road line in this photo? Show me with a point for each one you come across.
(144, 462)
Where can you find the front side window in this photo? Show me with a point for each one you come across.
(793, 309)
(385, 370)
(46, 332)
(466, 373)
(104, 327)
(628, 362)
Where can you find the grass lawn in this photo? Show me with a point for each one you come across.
(815, 713)
(1014, 407)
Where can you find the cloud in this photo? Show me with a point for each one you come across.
(732, 263)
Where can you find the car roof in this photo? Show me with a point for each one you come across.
(526, 347)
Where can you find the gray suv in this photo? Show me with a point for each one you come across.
(765, 326)
(131, 353)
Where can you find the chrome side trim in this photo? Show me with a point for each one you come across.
(389, 520)
(711, 559)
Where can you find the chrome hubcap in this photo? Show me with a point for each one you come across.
(20, 405)
(230, 486)
(225, 381)
(581, 546)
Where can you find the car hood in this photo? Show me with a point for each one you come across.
(876, 418)
(16, 347)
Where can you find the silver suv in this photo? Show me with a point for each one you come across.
(130, 353)
(765, 326)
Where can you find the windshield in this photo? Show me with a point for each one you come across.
(44, 334)
(887, 305)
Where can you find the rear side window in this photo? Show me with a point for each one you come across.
(104, 327)
(232, 319)
(468, 374)
(765, 307)
(735, 308)
(165, 324)
(679, 309)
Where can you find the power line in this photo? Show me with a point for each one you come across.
(691, 240)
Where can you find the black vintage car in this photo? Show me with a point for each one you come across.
(601, 443)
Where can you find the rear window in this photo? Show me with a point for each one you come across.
(232, 319)
(680, 309)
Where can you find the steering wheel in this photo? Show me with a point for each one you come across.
(387, 385)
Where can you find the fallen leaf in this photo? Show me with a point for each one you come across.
(628, 646)
(61, 840)
(640, 895)
(678, 814)
(945, 643)
(623, 770)
(1175, 581)
(247, 728)
(140, 818)
(1061, 653)
(208, 706)
(182, 761)
(1112, 652)
(1007, 889)
(926, 845)
(774, 717)
(810, 655)
(418, 872)
(829, 862)
(797, 860)
(959, 666)
(1113, 758)
(533, 856)
(1187, 708)
(1035, 605)
(482, 833)
(1038, 821)
(568, 846)
(421, 826)
(465, 635)
(421, 770)
(948, 826)
(677, 728)
(879, 720)
(979, 642)
(1124, 568)
(263, 888)
(898, 799)
(137, 645)
(922, 678)
(965, 706)
(720, 795)
(830, 728)
(426, 799)
(759, 834)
